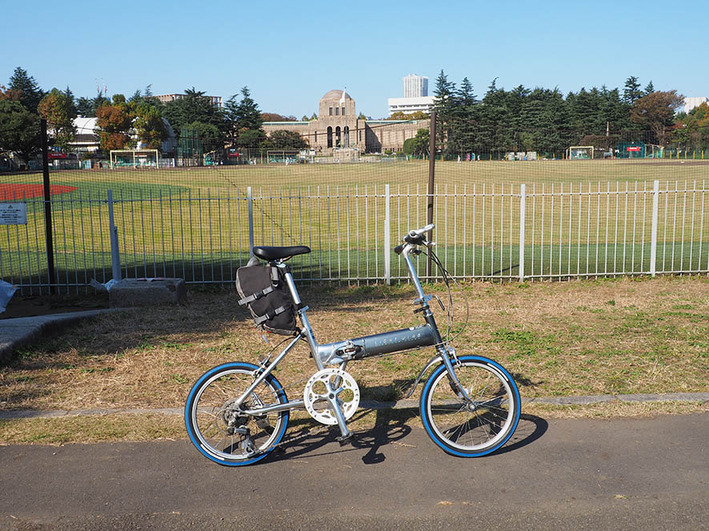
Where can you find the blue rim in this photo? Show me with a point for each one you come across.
(429, 429)
(195, 441)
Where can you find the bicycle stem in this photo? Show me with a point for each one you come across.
(441, 347)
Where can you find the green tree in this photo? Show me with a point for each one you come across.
(614, 111)
(632, 91)
(210, 136)
(691, 131)
(193, 107)
(463, 120)
(250, 138)
(544, 122)
(87, 106)
(84, 107)
(283, 139)
(444, 102)
(29, 92)
(58, 109)
(418, 146)
(495, 120)
(145, 97)
(19, 129)
(149, 125)
(243, 116)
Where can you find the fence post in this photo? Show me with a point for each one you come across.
(115, 251)
(250, 202)
(387, 235)
(522, 200)
(47, 207)
(653, 237)
(431, 183)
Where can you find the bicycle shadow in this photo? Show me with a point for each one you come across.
(530, 429)
(391, 426)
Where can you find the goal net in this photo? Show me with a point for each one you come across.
(134, 158)
(580, 153)
(283, 156)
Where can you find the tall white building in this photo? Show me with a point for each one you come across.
(415, 98)
(695, 101)
(415, 86)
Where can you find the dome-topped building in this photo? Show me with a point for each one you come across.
(337, 119)
(337, 126)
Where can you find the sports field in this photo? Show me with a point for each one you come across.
(393, 173)
(581, 218)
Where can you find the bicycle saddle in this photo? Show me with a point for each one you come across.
(279, 253)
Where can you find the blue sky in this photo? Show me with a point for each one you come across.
(291, 53)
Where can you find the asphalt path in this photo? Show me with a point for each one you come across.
(562, 474)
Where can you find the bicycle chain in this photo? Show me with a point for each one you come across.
(313, 431)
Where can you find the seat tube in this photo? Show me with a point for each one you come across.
(307, 329)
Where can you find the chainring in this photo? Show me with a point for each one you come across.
(330, 386)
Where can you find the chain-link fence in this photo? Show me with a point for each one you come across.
(519, 211)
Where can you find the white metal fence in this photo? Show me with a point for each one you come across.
(484, 231)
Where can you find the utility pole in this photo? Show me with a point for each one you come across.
(431, 182)
(47, 208)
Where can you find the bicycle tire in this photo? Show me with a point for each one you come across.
(478, 428)
(218, 431)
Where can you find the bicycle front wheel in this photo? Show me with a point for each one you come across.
(219, 428)
(475, 427)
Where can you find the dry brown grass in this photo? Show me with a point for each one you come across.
(558, 339)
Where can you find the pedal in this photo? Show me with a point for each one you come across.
(345, 439)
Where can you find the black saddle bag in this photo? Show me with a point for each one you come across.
(263, 290)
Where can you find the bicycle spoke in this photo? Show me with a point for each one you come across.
(469, 427)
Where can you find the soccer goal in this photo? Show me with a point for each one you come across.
(580, 153)
(280, 156)
(134, 158)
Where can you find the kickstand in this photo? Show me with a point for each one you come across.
(345, 439)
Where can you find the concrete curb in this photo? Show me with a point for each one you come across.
(16, 333)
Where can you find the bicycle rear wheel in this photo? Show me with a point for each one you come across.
(219, 429)
(478, 427)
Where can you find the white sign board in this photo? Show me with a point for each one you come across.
(13, 213)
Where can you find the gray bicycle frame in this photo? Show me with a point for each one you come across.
(342, 352)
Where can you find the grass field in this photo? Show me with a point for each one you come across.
(408, 173)
(582, 217)
(599, 337)
(412, 172)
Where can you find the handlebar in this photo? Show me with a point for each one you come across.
(414, 237)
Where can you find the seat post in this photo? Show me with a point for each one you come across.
(291, 284)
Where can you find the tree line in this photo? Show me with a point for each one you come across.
(140, 120)
(520, 119)
(546, 121)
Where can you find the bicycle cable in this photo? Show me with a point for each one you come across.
(448, 279)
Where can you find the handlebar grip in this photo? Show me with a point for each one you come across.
(399, 249)
(416, 239)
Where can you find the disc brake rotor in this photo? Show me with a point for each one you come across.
(328, 387)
